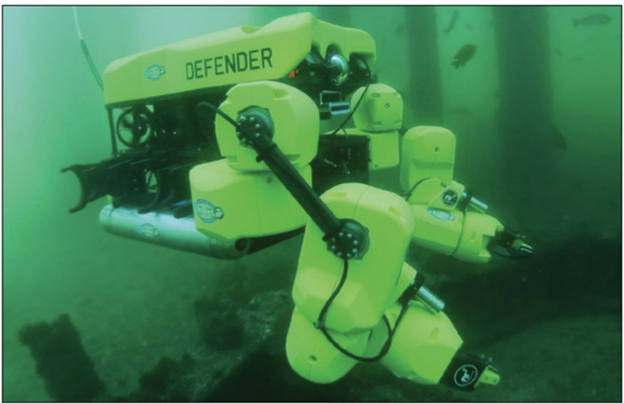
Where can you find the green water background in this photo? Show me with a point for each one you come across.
(130, 301)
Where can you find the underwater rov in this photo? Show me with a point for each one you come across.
(221, 154)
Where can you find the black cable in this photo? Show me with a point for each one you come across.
(219, 111)
(321, 320)
(321, 323)
(408, 194)
(94, 71)
(352, 112)
(379, 356)
(85, 51)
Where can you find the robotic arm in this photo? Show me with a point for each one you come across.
(450, 220)
(356, 299)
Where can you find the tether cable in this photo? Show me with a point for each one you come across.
(85, 51)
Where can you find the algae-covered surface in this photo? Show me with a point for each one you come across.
(547, 346)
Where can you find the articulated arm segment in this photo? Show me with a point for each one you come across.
(146, 181)
(254, 127)
(449, 219)
(510, 243)
(467, 371)
(92, 187)
(120, 177)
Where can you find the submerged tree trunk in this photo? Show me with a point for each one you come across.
(524, 119)
(425, 92)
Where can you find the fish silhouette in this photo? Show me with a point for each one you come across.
(465, 53)
(452, 23)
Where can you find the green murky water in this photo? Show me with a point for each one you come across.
(131, 301)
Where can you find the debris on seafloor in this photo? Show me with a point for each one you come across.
(62, 362)
(260, 328)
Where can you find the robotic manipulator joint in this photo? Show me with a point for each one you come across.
(371, 315)
(356, 299)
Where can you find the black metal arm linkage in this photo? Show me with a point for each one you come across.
(345, 238)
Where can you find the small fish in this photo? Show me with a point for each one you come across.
(578, 59)
(558, 52)
(594, 19)
(559, 141)
(465, 53)
(452, 23)
(468, 27)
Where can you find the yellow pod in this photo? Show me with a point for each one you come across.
(478, 230)
(295, 118)
(380, 110)
(379, 334)
(437, 230)
(313, 357)
(428, 152)
(423, 344)
(370, 284)
(231, 204)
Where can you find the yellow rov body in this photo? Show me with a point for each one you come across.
(223, 157)
(237, 55)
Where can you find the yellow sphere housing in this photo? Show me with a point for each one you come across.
(231, 204)
(428, 152)
(295, 117)
(313, 357)
(478, 230)
(380, 110)
(369, 288)
(437, 230)
(423, 344)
